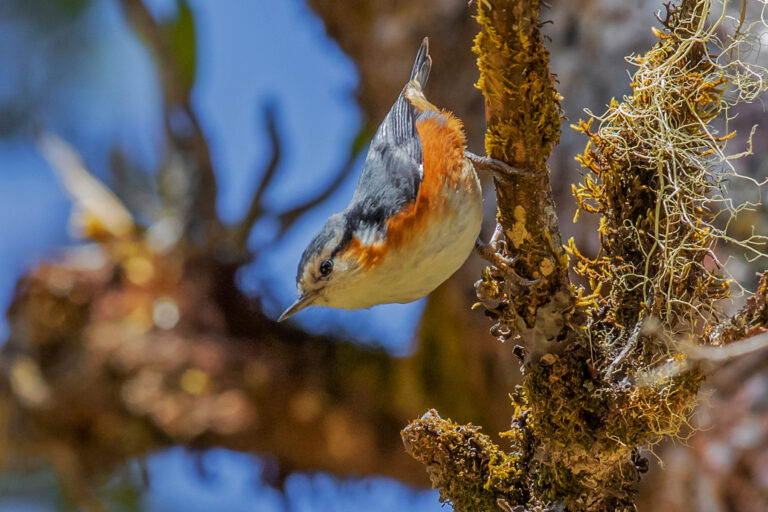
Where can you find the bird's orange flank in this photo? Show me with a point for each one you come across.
(443, 143)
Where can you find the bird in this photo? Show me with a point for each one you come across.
(414, 217)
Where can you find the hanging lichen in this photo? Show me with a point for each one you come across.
(657, 171)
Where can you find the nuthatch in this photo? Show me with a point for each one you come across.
(414, 217)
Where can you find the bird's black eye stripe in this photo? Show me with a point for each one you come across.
(326, 267)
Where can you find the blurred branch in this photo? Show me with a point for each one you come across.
(198, 365)
(269, 174)
(255, 209)
(289, 217)
(176, 85)
(121, 354)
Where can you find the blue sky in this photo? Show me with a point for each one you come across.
(248, 53)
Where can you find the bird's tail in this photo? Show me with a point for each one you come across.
(422, 65)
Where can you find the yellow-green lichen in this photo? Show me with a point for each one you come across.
(471, 471)
(523, 123)
(586, 431)
(522, 103)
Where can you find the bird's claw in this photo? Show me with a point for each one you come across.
(501, 170)
(490, 252)
(521, 281)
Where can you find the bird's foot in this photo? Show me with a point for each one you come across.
(500, 169)
(491, 252)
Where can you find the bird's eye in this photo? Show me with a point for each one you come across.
(326, 267)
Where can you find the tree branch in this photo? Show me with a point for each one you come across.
(523, 115)
(176, 85)
(255, 209)
(576, 430)
(289, 217)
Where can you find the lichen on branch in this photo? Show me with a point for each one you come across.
(522, 105)
(523, 116)
(471, 472)
(615, 379)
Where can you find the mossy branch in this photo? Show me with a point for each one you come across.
(471, 472)
(606, 373)
(523, 115)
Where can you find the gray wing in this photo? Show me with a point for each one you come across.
(393, 169)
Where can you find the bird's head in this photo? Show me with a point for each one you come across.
(327, 270)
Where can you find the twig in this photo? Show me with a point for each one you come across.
(289, 217)
(698, 354)
(175, 98)
(255, 209)
(633, 338)
(724, 353)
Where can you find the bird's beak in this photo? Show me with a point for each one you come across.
(302, 302)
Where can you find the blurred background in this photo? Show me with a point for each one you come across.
(142, 368)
